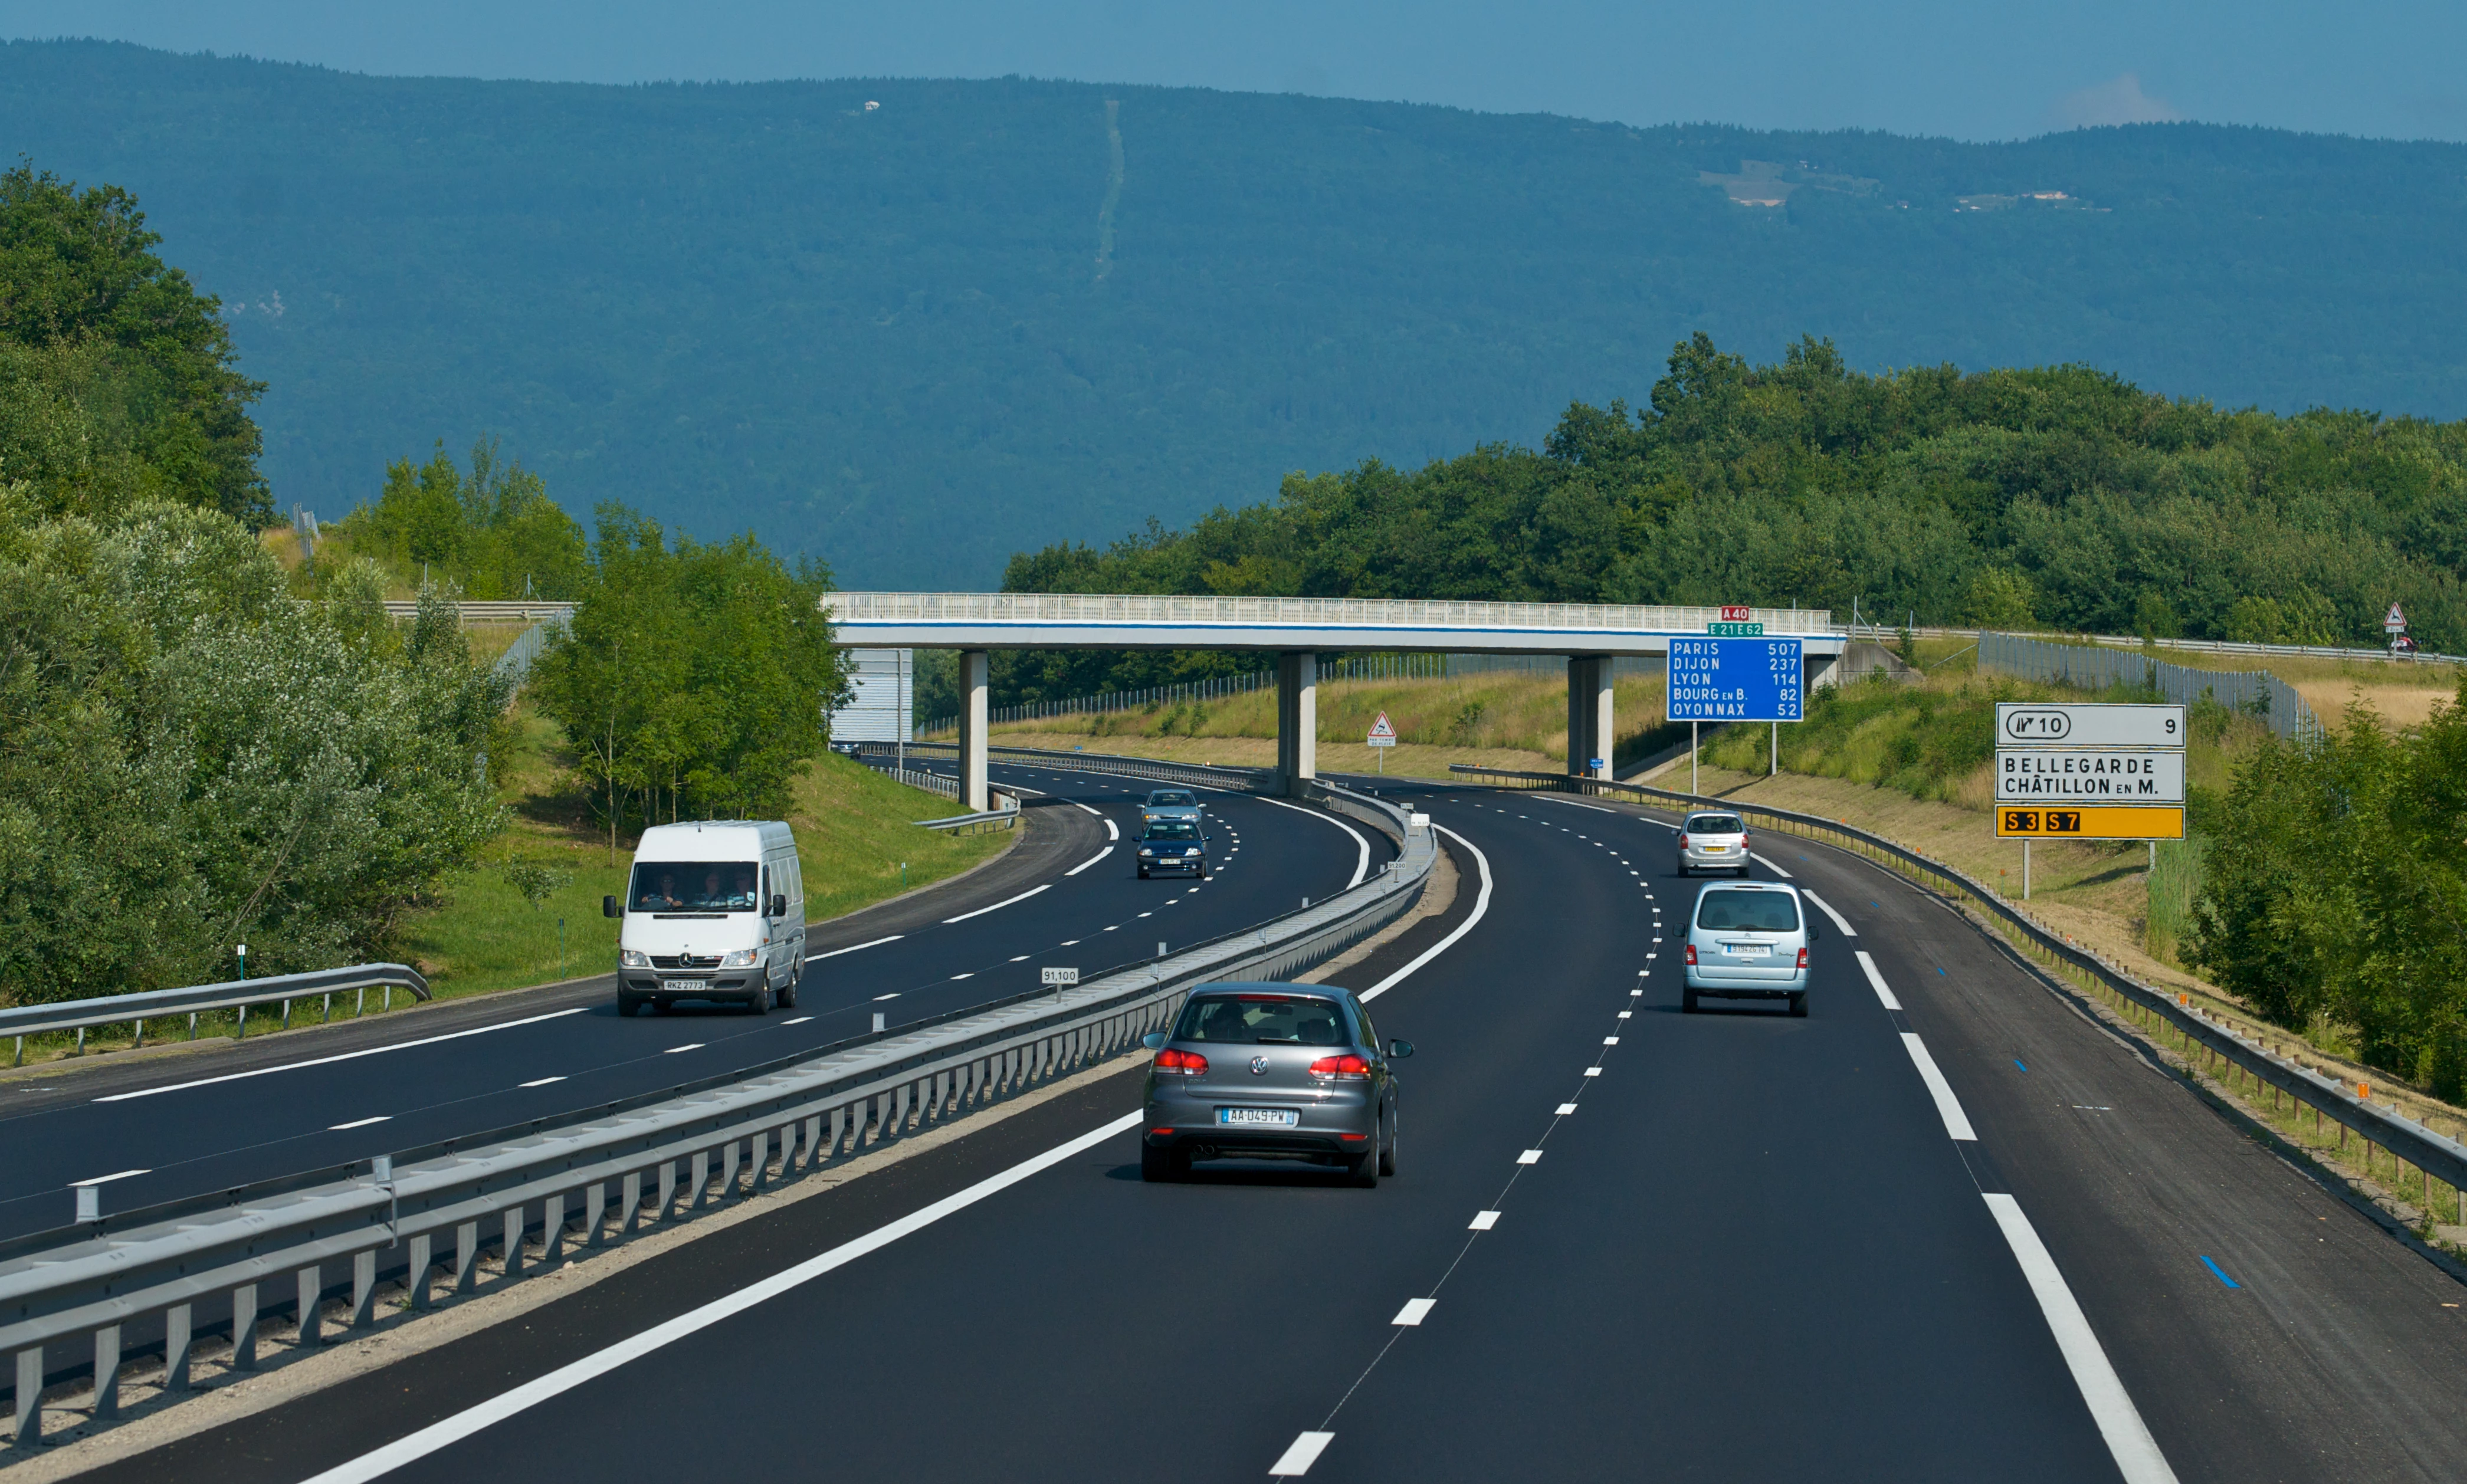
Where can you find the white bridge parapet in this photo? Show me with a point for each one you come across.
(1298, 629)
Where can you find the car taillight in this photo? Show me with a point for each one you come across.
(1690, 951)
(1181, 1064)
(1803, 958)
(1347, 1068)
(1683, 842)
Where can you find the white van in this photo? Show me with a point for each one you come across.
(713, 910)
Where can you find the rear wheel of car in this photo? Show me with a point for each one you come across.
(1163, 1167)
(1688, 1002)
(1365, 1169)
(1388, 1151)
(1799, 1004)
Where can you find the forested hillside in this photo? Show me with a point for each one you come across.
(915, 337)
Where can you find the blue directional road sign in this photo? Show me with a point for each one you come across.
(1735, 679)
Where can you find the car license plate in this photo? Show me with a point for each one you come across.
(1271, 1117)
(1749, 950)
(682, 986)
(1715, 849)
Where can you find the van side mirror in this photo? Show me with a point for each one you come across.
(778, 904)
(610, 907)
(1400, 1050)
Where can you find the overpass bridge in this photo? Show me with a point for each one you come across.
(1297, 630)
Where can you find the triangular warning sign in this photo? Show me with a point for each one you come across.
(1381, 728)
(2396, 620)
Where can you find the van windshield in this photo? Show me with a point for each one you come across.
(1748, 911)
(694, 886)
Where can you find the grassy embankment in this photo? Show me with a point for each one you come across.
(1911, 762)
(1498, 719)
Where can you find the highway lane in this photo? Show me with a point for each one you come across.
(1743, 1247)
(1750, 1248)
(194, 1125)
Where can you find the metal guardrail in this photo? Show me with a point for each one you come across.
(514, 611)
(974, 823)
(1884, 633)
(928, 782)
(154, 1005)
(2407, 1139)
(141, 1279)
(1251, 780)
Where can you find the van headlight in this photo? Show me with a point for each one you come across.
(741, 958)
(626, 958)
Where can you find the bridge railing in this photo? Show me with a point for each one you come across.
(1057, 607)
(77, 1300)
(2404, 1137)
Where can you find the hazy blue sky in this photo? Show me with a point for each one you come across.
(1958, 67)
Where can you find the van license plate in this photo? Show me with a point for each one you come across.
(1272, 1117)
(682, 986)
(1750, 950)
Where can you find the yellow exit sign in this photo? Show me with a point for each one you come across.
(2092, 822)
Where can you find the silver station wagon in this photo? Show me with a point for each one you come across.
(1271, 1072)
(1748, 940)
(1713, 842)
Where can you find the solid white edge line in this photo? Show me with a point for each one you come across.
(1113, 831)
(1878, 980)
(1415, 1312)
(1948, 1106)
(1362, 864)
(418, 1445)
(1550, 799)
(1299, 1455)
(342, 1056)
(1077, 804)
(2119, 1422)
(854, 947)
(1083, 866)
(1481, 906)
(998, 906)
(1826, 908)
(1769, 865)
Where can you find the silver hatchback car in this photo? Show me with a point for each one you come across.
(1713, 842)
(1748, 940)
(1271, 1072)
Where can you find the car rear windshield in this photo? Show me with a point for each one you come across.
(1172, 829)
(1262, 1020)
(1748, 911)
(694, 886)
(1716, 825)
(1173, 798)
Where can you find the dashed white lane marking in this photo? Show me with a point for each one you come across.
(448, 1430)
(342, 1056)
(1117, 925)
(1956, 1123)
(1019, 958)
(1826, 908)
(1878, 980)
(1529, 1156)
(1007, 901)
(1610, 1040)
(2119, 1422)
(362, 1123)
(856, 947)
(106, 1180)
(1073, 871)
(1481, 908)
(1769, 865)
(799, 1021)
(1630, 1014)
(1482, 1221)
(1415, 1312)
(956, 977)
(1566, 1109)
(1298, 1455)
(1070, 943)
(879, 998)
(1593, 1072)
(536, 1082)
(690, 1046)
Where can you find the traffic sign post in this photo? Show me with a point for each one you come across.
(1382, 735)
(2089, 771)
(1722, 678)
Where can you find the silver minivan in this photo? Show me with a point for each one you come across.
(1748, 940)
(1271, 1072)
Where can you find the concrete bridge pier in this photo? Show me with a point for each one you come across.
(1297, 719)
(1591, 734)
(973, 796)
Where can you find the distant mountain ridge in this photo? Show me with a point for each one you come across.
(983, 316)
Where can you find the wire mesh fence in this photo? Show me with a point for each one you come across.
(2085, 667)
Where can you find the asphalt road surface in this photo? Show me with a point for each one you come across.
(1945, 1228)
(157, 1128)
